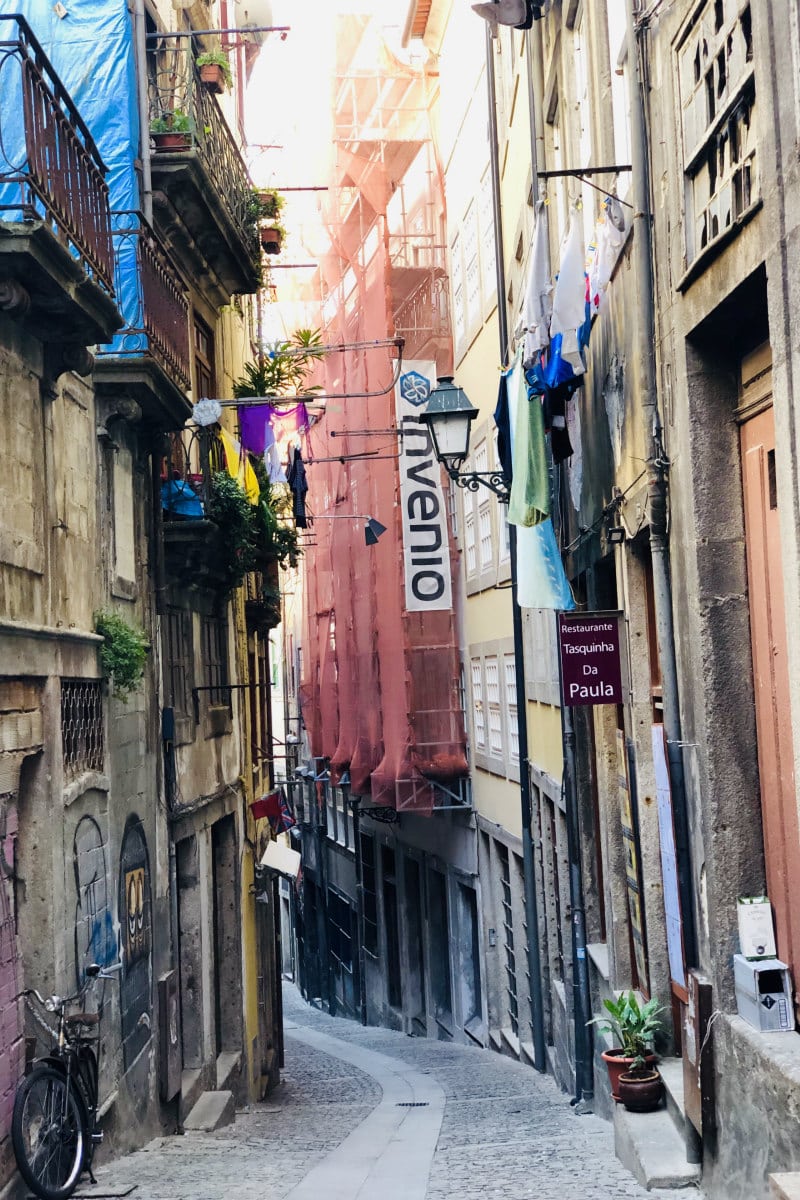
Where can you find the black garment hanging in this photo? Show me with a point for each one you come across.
(296, 478)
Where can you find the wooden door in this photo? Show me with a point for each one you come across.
(770, 673)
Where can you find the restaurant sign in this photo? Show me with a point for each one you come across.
(589, 646)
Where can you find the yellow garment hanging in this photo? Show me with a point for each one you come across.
(239, 467)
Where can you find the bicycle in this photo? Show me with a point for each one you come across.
(54, 1128)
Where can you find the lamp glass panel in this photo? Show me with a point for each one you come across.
(451, 434)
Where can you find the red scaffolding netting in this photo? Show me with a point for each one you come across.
(380, 689)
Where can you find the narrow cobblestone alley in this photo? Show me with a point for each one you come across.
(370, 1114)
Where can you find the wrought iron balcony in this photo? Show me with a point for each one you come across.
(193, 548)
(53, 195)
(424, 318)
(197, 165)
(150, 357)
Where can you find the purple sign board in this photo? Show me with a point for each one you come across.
(589, 645)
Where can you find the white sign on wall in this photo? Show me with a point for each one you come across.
(426, 549)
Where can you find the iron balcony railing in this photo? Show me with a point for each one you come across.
(179, 99)
(50, 168)
(191, 460)
(426, 313)
(151, 298)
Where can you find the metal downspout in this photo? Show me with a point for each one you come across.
(531, 906)
(658, 504)
(581, 993)
(140, 33)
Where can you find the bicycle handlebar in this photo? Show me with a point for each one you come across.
(59, 1003)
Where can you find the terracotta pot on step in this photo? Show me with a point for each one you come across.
(641, 1090)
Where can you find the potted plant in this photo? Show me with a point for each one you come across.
(270, 229)
(633, 1027)
(170, 130)
(215, 71)
(641, 1087)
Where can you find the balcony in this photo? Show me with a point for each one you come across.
(193, 544)
(149, 359)
(56, 263)
(206, 196)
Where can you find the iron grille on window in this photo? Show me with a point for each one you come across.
(370, 899)
(81, 726)
(178, 675)
(215, 655)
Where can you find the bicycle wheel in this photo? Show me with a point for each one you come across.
(48, 1132)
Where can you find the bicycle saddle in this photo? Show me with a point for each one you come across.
(82, 1018)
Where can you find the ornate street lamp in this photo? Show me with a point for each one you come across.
(449, 416)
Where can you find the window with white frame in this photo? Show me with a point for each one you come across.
(484, 498)
(478, 718)
(510, 681)
(719, 127)
(493, 706)
(473, 265)
(620, 98)
(486, 224)
(472, 272)
(470, 548)
(457, 283)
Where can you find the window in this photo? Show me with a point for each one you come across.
(470, 547)
(512, 1006)
(473, 266)
(369, 895)
(215, 660)
(478, 718)
(492, 676)
(510, 679)
(717, 90)
(204, 366)
(82, 740)
(394, 990)
(438, 927)
(178, 661)
(340, 930)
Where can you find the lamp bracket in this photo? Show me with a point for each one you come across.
(472, 481)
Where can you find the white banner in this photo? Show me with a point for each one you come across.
(426, 549)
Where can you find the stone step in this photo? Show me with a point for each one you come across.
(212, 1111)
(652, 1149)
(229, 1064)
(786, 1185)
(671, 1070)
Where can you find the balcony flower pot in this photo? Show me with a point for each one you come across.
(641, 1089)
(271, 239)
(171, 140)
(619, 1063)
(213, 78)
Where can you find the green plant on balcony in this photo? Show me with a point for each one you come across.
(215, 69)
(123, 653)
(274, 531)
(231, 511)
(283, 368)
(175, 121)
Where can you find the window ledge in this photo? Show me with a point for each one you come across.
(713, 249)
(598, 953)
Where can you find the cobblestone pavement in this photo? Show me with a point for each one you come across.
(506, 1131)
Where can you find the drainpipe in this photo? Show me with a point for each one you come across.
(657, 468)
(529, 877)
(581, 990)
(144, 108)
(658, 505)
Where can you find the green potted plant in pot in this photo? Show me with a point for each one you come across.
(633, 1026)
(170, 130)
(215, 71)
(270, 230)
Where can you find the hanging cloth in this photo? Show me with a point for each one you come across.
(569, 297)
(502, 420)
(530, 488)
(541, 579)
(239, 467)
(538, 303)
(296, 478)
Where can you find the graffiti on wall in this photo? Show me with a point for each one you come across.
(135, 915)
(95, 939)
(12, 1053)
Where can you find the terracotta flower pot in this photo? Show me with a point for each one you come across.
(170, 140)
(616, 1062)
(271, 239)
(211, 75)
(641, 1090)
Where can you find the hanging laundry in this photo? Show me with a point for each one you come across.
(255, 425)
(296, 478)
(541, 579)
(569, 297)
(530, 488)
(239, 467)
(537, 308)
(609, 239)
(502, 420)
